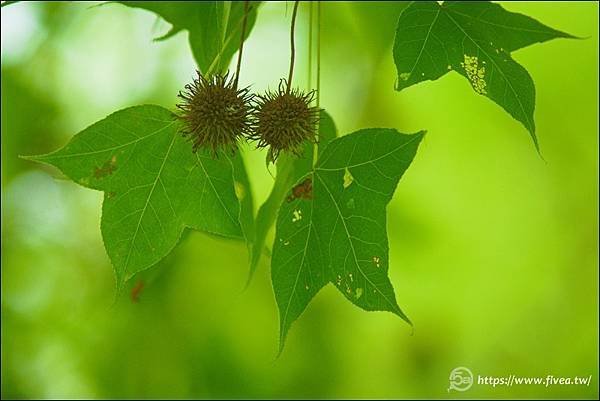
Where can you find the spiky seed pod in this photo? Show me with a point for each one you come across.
(215, 112)
(285, 120)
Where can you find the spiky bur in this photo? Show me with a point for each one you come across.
(285, 120)
(215, 112)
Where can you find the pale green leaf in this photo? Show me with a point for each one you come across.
(244, 193)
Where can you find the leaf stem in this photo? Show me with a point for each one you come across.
(239, 60)
(316, 145)
(318, 53)
(310, 45)
(292, 46)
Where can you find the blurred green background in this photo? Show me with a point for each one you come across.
(494, 252)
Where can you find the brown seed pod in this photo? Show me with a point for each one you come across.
(285, 120)
(215, 112)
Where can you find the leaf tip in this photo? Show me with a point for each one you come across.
(400, 83)
(34, 158)
(282, 337)
(421, 134)
(566, 35)
(250, 276)
(120, 281)
(535, 141)
(284, 328)
(171, 32)
(418, 137)
(403, 316)
(539, 150)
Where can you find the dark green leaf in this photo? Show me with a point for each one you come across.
(474, 39)
(289, 170)
(338, 234)
(214, 27)
(154, 186)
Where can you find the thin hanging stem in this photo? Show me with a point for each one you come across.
(318, 53)
(310, 46)
(292, 46)
(239, 60)
(228, 39)
(316, 146)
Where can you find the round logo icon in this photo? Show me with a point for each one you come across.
(461, 379)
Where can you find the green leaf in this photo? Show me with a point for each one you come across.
(474, 39)
(289, 170)
(338, 234)
(154, 186)
(214, 27)
(243, 192)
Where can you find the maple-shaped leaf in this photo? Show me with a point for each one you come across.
(154, 185)
(332, 226)
(215, 27)
(290, 168)
(475, 39)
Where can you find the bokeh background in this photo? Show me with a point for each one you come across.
(494, 251)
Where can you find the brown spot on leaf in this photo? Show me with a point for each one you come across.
(302, 190)
(136, 290)
(106, 169)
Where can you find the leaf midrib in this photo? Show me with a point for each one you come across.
(529, 126)
(139, 223)
(294, 288)
(395, 307)
(437, 14)
(369, 161)
(58, 156)
(208, 178)
(512, 28)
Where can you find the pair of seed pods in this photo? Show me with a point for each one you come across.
(216, 114)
